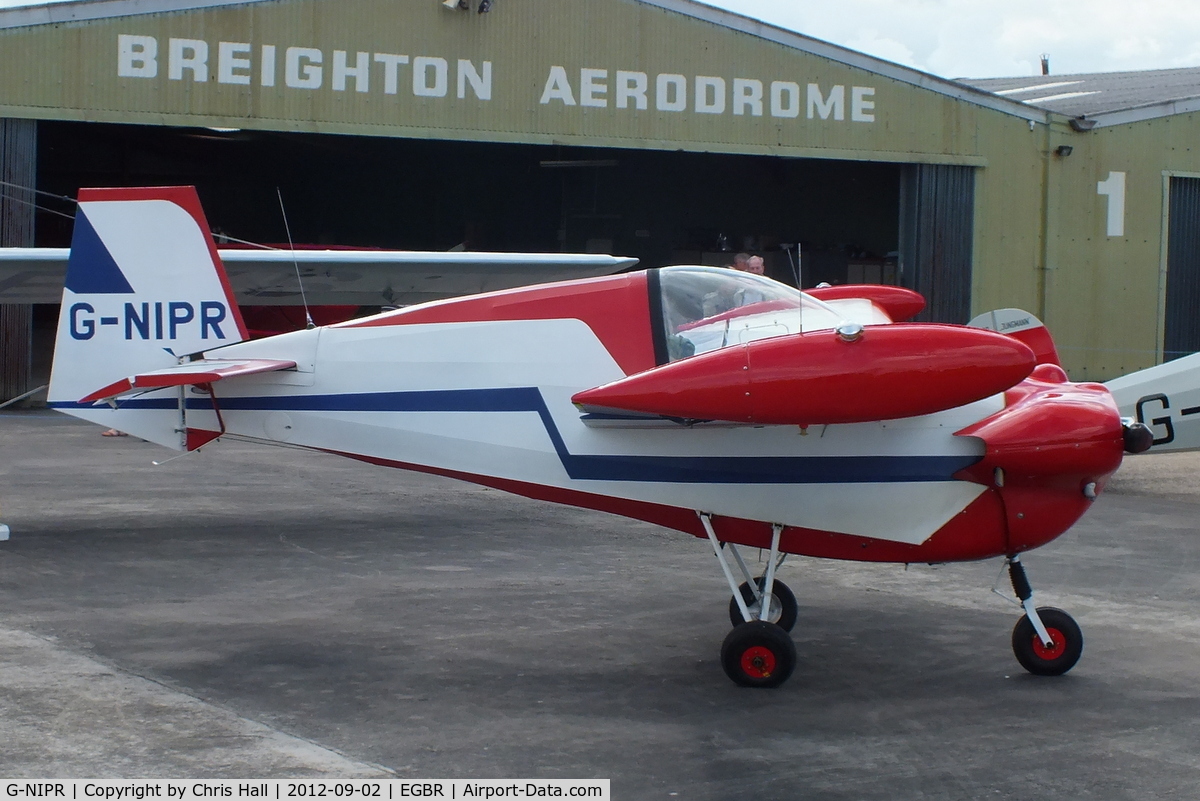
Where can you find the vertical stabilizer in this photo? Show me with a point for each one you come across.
(144, 289)
(1024, 327)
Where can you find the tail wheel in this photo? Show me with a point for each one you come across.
(782, 610)
(1055, 659)
(758, 654)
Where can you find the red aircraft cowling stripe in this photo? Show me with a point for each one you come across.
(615, 307)
(186, 198)
(977, 532)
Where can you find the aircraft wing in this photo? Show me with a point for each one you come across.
(32, 275)
(205, 371)
(334, 277)
(1167, 399)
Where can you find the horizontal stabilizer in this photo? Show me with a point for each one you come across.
(205, 371)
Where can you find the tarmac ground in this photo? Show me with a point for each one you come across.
(264, 612)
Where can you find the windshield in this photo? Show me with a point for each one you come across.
(705, 308)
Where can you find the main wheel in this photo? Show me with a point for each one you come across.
(758, 654)
(782, 609)
(1061, 656)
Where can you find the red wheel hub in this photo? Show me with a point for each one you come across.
(1057, 646)
(758, 662)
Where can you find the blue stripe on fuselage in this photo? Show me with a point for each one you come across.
(666, 469)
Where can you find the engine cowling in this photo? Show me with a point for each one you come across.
(1049, 452)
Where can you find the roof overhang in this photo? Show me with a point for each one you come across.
(84, 10)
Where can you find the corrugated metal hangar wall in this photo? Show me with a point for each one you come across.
(663, 129)
(18, 156)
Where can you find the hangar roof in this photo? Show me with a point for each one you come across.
(1108, 97)
(1103, 98)
(83, 10)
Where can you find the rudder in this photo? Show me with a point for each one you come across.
(145, 288)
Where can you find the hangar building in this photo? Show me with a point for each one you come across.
(662, 129)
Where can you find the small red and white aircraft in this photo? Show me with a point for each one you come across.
(717, 403)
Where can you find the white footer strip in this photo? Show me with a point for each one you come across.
(383, 789)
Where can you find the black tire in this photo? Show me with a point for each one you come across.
(1034, 656)
(789, 609)
(758, 654)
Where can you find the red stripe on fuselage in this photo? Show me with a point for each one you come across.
(977, 532)
(615, 307)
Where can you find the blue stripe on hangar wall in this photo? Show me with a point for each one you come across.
(665, 469)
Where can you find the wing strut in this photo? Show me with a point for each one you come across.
(759, 652)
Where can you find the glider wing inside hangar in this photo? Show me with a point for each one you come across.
(342, 277)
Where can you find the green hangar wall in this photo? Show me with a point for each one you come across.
(993, 214)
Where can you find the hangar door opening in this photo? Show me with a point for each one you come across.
(810, 219)
(1181, 333)
(937, 217)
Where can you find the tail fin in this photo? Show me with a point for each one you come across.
(1023, 327)
(144, 289)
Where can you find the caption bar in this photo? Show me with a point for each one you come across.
(277, 790)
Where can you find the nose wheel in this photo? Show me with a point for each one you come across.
(1046, 641)
(1066, 643)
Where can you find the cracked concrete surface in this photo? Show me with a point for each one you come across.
(255, 611)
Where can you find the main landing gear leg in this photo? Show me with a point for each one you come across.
(782, 609)
(1046, 641)
(757, 653)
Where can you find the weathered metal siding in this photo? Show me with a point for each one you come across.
(523, 40)
(1104, 293)
(18, 160)
(1182, 323)
(937, 209)
(1007, 218)
(1040, 239)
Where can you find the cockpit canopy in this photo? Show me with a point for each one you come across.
(705, 308)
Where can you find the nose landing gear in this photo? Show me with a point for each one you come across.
(1046, 641)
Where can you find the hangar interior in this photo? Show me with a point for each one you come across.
(813, 220)
(662, 207)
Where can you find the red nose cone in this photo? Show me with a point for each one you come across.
(1055, 430)
(885, 373)
(1048, 453)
